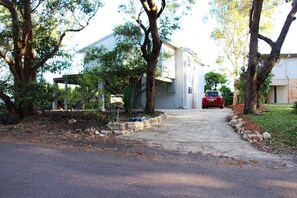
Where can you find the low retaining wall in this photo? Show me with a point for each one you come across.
(122, 128)
(248, 135)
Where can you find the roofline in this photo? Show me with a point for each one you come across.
(166, 42)
(95, 43)
(195, 55)
(288, 55)
(285, 55)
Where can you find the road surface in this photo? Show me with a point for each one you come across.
(35, 171)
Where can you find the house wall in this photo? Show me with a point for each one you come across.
(108, 42)
(199, 89)
(188, 81)
(285, 81)
(187, 87)
(181, 80)
(168, 62)
(292, 90)
(279, 70)
(281, 94)
(291, 68)
(164, 98)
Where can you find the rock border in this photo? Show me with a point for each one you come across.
(126, 127)
(248, 135)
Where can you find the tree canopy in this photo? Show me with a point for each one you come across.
(31, 34)
(213, 79)
(232, 32)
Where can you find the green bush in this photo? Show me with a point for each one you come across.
(294, 107)
(3, 109)
(227, 95)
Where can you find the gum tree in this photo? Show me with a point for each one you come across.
(158, 19)
(231, 33)
(31, 34)
(256, 78)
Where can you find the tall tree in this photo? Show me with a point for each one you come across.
(256, 78)
(231, 32)
(157, 25)
(31, 33)
(213, 79)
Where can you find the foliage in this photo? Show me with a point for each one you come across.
(38, 92)
(263, 91)
(213, 79)
(231, 31)
(281, 124)
(227, 95)
(89, 90)
(121, 68)
(31, 35)
(294, 107)
(241, 85)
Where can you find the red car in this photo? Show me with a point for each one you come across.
(212, 99)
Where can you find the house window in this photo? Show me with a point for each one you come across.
(190, 90)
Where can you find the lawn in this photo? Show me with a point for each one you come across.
(281, 123)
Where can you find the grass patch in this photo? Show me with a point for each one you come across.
(280, 121)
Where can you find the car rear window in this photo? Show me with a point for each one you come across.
(214, 94)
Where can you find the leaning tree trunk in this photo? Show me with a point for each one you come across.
(250, 104)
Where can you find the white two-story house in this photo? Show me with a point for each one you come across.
(181, 80)
(283, 88)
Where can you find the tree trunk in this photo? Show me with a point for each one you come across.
(250, 104)
(13, 115)
(236, 93)
(150, 88)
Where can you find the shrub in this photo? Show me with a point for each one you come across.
(227, 95)
(294, 107)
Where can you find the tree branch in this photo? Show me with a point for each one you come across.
(266, 39)
(251, 16)
(163, 5)
(38, 4)
(6, 58)
(5, 3)
(51, 54)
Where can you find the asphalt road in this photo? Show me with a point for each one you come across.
(35, 171)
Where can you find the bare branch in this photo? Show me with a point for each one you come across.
(290, 18)
(162, 8)
(6, 58)
(52, 53)
(38, 4)
(266, 39)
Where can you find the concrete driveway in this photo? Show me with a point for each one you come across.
(202, 131)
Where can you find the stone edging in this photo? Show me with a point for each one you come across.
(250, 136)
(122, 128)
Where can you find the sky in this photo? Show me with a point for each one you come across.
(194, 33)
